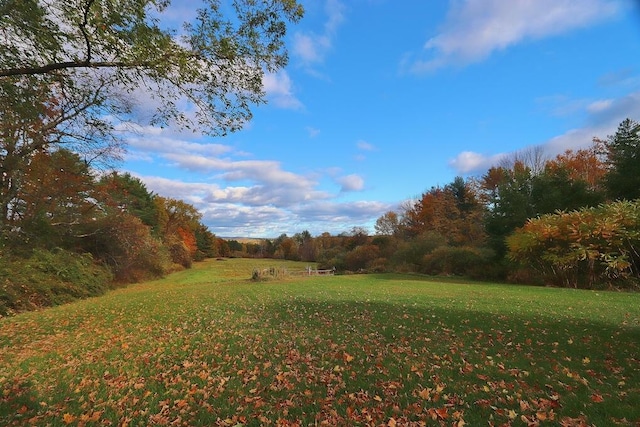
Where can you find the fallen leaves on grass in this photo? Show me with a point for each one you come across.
(233, 359)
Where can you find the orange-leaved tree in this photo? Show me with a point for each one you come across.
(454, 211)
(177, 223)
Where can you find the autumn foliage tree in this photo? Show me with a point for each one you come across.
(388, 224)
(107, 49)
(205, 243)
(569, 181)
(558, 188)
(452, 211)
(55, 200)
(508, 197)
(125, 244)
(448, 218)
(584, 165)
(561, 221)
(114, 222)
(177, 223)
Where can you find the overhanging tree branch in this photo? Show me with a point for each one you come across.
(45, 69)
(68, 68)
(83, 30)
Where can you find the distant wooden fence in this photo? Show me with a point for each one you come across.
(312, 272)
(284, 272)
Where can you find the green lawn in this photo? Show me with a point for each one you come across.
(209, 347)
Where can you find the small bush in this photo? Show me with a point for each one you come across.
(454, 260)
(410, 255)
(361, 257)
(126, 245)
(334, 257)
(378, 265)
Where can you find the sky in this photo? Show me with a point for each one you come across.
(384, 99)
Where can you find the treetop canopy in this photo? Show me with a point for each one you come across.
(214, 63)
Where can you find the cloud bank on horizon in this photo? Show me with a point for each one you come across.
(300, 165)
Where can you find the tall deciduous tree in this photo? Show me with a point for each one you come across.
(56, 199)
(558, 188)
(586, 164)
(177, 223)
(70, 70)
(206, 242)
(570, 181)
(452, 211)
(508, 194)
(217, 62)
(38, 113)
(388, 224)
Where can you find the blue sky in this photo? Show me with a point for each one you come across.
(383, 99)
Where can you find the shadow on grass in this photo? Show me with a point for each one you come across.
(417, 277)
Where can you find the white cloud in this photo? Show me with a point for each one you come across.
(351, 182)
(226, 211)
(233, 220)
(626, 77)
(470, 161)
(310, 47)
(266, 171)
(603, 120)
(149, 143)
(598, 106)
(264, 183)
(279, 90)
(240, 197)
(313, 132)
(474, 29)
(333, 217)
(365, 146)
(176, 189)
(178, 12)
(561, 105)
(145, 142)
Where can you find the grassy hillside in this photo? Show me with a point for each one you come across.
(209, 347)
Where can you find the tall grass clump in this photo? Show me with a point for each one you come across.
(49, 277)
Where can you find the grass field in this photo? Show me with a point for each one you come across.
(209, 347)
